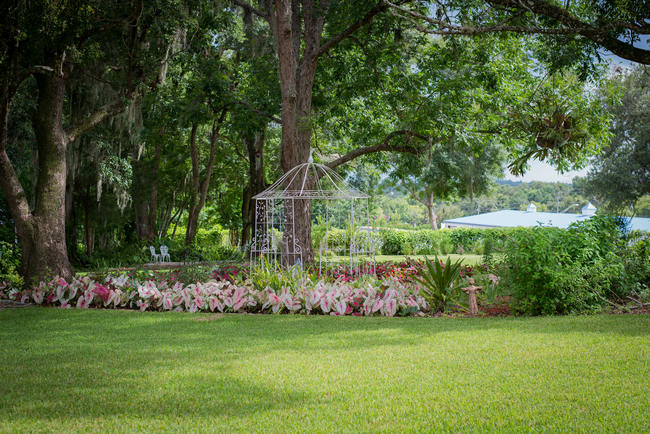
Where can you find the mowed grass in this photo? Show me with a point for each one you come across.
(102, 370)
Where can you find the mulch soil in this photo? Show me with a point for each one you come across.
(495, 310)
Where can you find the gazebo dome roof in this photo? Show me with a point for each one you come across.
(311, 181)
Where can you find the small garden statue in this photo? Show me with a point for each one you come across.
(471, 291)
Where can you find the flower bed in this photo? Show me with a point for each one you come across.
(402, 271)
(390, 298)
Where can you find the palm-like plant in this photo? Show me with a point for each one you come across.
(437, 281)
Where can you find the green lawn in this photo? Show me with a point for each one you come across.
(99, 370)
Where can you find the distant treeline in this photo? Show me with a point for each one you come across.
(393, 209)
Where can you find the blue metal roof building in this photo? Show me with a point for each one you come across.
(530, 217)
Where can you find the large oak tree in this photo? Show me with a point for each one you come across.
(54, 43)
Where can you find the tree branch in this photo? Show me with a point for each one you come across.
(383, 146)
(456, 29)
(247, 7)
(260, 112)
(194, 154)
(414, 193)
(602, 35)
(13, 190)
(107, 111)
(216, 126)
(380, 7)
(236, 147)
(571, 26)
(9, 182)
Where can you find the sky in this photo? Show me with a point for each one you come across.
(540, 171)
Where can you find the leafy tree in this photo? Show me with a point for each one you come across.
(620, 176)
(571, 31)
(202, 88)
(469, 99)
(448, 172)
(53, 44)
(307, 34)
(562, 123)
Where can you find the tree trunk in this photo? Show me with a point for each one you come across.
(433, 218)
(296, 25)
(47, 254)
(296, 83)
(200, 188)
(193, 217)
(153, 194)
(146, 195)
(89, 232)
(255, 147)
(140, 204)
(71, 218)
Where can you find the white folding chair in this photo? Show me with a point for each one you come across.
(155, 256)
(164, 253)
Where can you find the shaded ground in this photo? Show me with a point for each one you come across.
(66, 370)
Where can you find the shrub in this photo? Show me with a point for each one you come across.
(10, 264)
(437, 280)
(446, 247)
(556, 271)
(488, 250)
(465, 238)
(392, 241)
(636, 263)
(425, 242)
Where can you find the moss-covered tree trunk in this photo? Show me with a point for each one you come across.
(40, 229)
(42, 233)
(145, 195)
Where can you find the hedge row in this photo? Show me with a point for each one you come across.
(425, 242)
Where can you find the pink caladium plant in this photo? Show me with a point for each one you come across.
(344, 297)
(142, 305)
(83, 303)
(339, 308)
(198, 301)
(325, 304)
(37, 296)
(239, 298)
(390, 307)
(215, 304)
(103, 292)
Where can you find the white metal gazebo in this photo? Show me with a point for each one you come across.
(339, 213)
